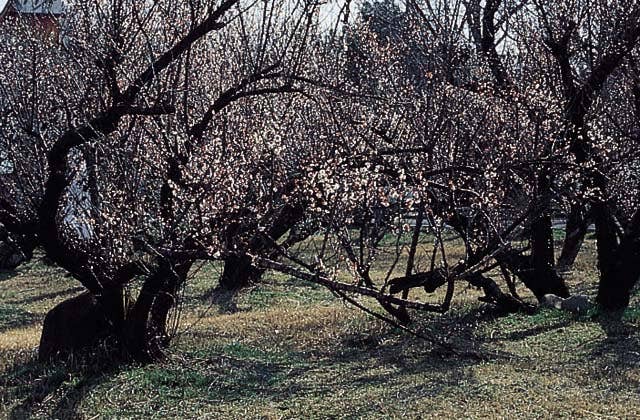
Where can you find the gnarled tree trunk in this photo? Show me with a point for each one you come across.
(145, 330)
(544, 279)
(72, 326)
(575, 231)
(140, 330)
(16, 245)
(616, 285)
(619, 267)
(238, 273)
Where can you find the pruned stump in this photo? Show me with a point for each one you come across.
(71, 326)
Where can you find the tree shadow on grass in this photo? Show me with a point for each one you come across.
(536, 330)
(508, 326)
(374, 358)
(391, 359)
(382, 361)
(617, 358)
(53, 389)
(254, 374)
(47, 296)
(12, 317)
(7, 275)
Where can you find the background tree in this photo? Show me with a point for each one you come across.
(523, 148)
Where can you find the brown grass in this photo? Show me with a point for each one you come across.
(20, 338)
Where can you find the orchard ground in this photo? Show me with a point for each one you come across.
(293, 350)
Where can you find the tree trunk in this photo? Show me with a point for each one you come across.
(137, 328)
(522, 267)
(576, 230)
(141, 331)
(112, 303)
(146, 329)
(618, 264)
(494, 295)
(82, 322)
(616, 285)
(166, 300)
(16, 245)
(238, 273)
(544, 278)
(73, 325)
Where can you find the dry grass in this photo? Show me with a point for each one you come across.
(20, 338)
(292, 351)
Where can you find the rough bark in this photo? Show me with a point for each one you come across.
(575, 232)
(495, 296)
(619, 268)
(106, 283)
(615, 289)
(544, 279)
(145, 332)
(238, 273)
(15, 249)
(522, 267)
(430, 281)
(488, 43)
(615, 261)
(140, 331)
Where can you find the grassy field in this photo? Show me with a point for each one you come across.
(292, 350)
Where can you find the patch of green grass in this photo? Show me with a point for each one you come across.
(173, 383)
(12, 316)
(632, 314)
(240, 351)
(202, 279)
(274, 289)
(247, 352)
(558, 235)
(199, 380)
(541, 317)
(261, 297)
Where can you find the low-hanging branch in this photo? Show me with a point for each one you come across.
(344, 287)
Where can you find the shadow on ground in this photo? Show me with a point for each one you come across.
(47, 296)
(241, 372)
(375, 358)
(12, 317)
(7, 275)
(234, 372)
(382, 362)
(61, 386)
(618, 359)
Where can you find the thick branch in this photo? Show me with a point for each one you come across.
(488, 43)
(211, 23)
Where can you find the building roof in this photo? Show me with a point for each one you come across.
(32, 7)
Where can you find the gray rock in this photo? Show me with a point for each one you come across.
(576, 304)
(552, 301)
